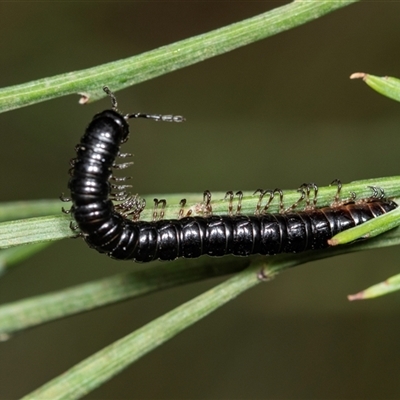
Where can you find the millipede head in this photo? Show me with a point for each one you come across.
(155, 117)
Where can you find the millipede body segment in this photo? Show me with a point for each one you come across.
(111, 232)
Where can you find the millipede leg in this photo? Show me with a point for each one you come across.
(305, 190)
(239, 204)
(63, 198)
(281, 204)
(182, 204)
(258, 210)
(336, 199)
(207, 207)
(123, 165)
(120, 178)
(157, 202)
(230, 202)
(297, 202)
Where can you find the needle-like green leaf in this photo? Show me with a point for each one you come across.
(390, 285)
(124, 73)
(386, 85)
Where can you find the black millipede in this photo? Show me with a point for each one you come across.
(116, 230)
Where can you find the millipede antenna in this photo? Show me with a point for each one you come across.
(155, 117)
(113, 99)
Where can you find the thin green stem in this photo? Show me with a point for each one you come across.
(29, 208)
(123, 73)
(37, 310)
(103, 365)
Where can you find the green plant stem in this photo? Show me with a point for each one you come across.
(34, 230)
(102, 366)
(37, 310)
(106, 363)
(34, 311)
(14, 210)
(129, 71)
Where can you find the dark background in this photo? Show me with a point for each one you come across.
(277, 113)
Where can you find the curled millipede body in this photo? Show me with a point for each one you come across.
(109, 231)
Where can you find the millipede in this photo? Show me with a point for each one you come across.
(115, 229)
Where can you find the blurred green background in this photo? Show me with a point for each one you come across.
(277, 113)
